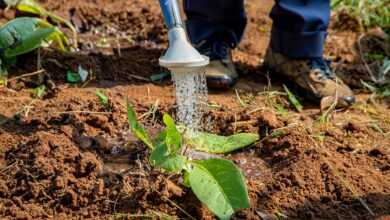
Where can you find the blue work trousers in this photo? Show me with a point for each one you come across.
(298, 31)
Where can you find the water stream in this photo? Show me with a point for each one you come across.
(191, 97)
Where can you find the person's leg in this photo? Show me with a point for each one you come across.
(207, 18)
(296, 49)
(215, 27)
(299, 27)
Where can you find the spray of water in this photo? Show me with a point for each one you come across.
(191, 97)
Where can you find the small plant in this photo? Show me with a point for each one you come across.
(218, 183)
(32, 7)
(293, 99)
(39, 92)
(370, 13)
(103, 99)
(25, 34)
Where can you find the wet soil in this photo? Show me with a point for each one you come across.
(66, 156)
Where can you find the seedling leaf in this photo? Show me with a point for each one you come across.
(173, 137)
(39, 92)
(212, 143)
(136, 128)
(30, 6)
(72, 77)
(293, 99)
(160, 157)
(24, 34)
(102, 98)
(30, 42)
(220, 185)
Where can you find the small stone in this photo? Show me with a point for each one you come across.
(174, 189)
(270, 119)
(102, 143)
(84, 142)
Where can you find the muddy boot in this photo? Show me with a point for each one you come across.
(314, 76)
(220, 73)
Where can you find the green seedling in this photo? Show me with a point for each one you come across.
(278, 133)
(103, 99)
(25, 34)
(32, 7)
(39, 92)
(217, 183)
(377, 128)
(293, 99)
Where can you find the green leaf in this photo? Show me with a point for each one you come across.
(212, 143)
(372, 88)
(160, 76)
(24, 34)
(32, 7)
(39, 92)
(160, 157)
(186, 179)
(13, 31)
(293, 99)
(103, 99)
(72, 77)
(220, 185)
(173, 137)
(136, 128)
(29, 42)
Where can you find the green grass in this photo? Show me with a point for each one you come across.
(371, 13)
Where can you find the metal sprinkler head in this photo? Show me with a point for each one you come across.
(181, 56)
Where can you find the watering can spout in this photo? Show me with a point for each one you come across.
(180, 54)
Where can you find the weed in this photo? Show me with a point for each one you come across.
(103, 99)
(381, 91)
(324, 118)
(39, 92)
(216, 182)
(293, 99)
(242, 103)
(370, 13)
(151, 112)
(25, 34)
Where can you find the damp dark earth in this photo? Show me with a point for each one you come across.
(68, 153)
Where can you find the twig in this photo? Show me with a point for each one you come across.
(241, 123)
(257, 110)
(373, 78)
(7, 167)
(239, 99)
(180, 208)
(84, 112)
(139, 77)
(27, 75)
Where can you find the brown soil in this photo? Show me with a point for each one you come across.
(67, 156)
